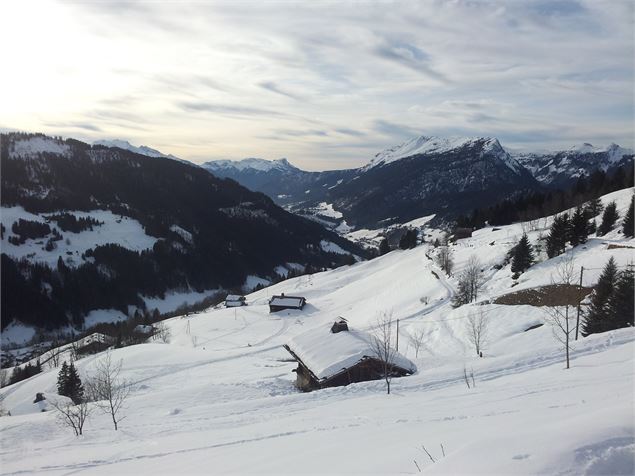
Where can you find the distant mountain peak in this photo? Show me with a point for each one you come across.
(427, 145)
(438, 145)
(261, 165)
(124, 144)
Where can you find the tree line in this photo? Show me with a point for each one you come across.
(536, 204)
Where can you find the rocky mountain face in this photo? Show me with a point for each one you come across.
(562, 169)
(97, 227)
(426, 175)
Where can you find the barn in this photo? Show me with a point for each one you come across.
(234, 300)
(334, 355)
(282, 302)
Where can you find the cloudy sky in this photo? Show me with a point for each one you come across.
(325, 84)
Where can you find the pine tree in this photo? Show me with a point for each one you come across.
(594, 207)
(74, 387)
(627, 228)
(408, 239)
(558, 236)
(62, 380)
(597, 318)
(523, 256)
(384, 247)
(609, 217)
(579, 228)
(620, 306)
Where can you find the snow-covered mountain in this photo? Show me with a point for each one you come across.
(424, 145)
(425, 175)
(122, 144)
(260, 165)
(90, 228)
(219, 396)
(142, 150)
(561, 169)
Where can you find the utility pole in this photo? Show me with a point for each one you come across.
(397, 335)
(577, 320)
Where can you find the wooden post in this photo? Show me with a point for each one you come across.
(577, 319)
(397, 335)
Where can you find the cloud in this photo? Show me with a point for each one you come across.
(411, 57)
(227, 109)
(322, 82)
(274, 88)
(349, 132)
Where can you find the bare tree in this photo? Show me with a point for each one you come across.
(477, 330)
(562, 318)
(107, 389)
(444, 259)
(417, 339)
(162, 332)
(470, 282)
(381, 344)
(71, 415)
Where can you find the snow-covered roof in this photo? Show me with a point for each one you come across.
(327, 354)
(291, 301)
(234, 297)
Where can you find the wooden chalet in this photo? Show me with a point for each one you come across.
(234, 300)
(335, 355)
(282, 302)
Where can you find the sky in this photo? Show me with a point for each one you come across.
(326, 84)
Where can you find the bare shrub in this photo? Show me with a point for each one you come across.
(562, 318)
(381, 345)
(107, 389)
(72, 416)
(477, 330)
(470, 282)
(162, 333)
(417, 340)
(444, 259)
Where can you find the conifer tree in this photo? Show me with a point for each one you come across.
(597, 318)
(594, 207)
(62, 379)
(408, 239)
(579, 228)
(609, 217)
(523, 256)
(621, 309)
(627, 228)
(384, 247)
(557, 239)
(74, 387)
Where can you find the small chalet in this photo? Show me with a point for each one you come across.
(335, 355)
(282, 302)
(234, 300)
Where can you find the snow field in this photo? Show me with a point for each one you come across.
(219, 398)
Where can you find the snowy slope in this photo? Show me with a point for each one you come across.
(219, 397)
(31, 146)
(117, 229)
